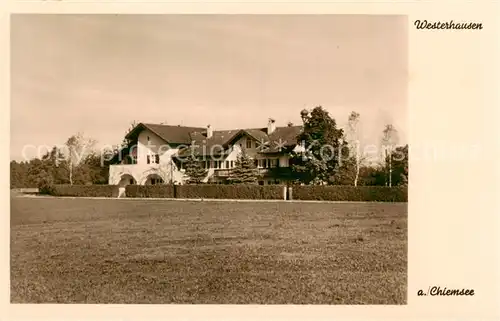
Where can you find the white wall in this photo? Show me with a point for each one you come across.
(155, 145)
(252, 153)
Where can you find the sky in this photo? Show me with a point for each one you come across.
(96, 74)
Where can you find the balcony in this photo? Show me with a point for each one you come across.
(276, 171)
(222, 172)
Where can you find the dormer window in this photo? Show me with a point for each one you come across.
(249, 143)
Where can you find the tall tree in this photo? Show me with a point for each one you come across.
(322, 145)
(244, 170)
(353, 139)
(78, 146)
(18, 175)
(389, 140)
(194, 170)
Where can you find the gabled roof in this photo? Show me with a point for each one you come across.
(171, 134)
(280, 140)
(283, 136)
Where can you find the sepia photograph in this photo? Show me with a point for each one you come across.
(209, 159)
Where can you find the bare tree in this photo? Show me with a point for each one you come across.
(78, 147)
(353, 140)
(389, 139)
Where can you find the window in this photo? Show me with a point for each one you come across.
(153, 159)
(273, 162)
(269, 182)
(261, 182)
(156, 181)
(219, 164)
(256, 162)
(232, 164)
(261, 163)
(148, 138)
(131, 181)
(249, 143)
(227, 164)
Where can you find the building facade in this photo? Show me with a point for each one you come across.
(156, 153)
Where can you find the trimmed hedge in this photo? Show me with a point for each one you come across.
(85, 190)
(351, 193)
(206, 191)
(299, 192)
(230, 191)
(157, 191)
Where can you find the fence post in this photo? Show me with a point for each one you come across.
(290, 193)
(284, 193)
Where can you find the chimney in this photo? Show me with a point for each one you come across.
(271, 126)
(209, 131)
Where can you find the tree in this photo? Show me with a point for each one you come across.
(353, 139)
(244, 170)
(399, 162)
(194, 170)
(55, 164)
(373, 175)
(322, 146)
(389, 140)
(345, 173)
(77, 146)
(45, 182)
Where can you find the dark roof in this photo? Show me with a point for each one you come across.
(171, 134)
(283, 138)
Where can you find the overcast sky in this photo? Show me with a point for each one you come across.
(97, 73)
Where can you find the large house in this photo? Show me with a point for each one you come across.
(158, 151)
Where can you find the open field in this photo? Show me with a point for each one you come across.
(159, 251)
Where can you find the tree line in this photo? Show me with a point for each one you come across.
(341, 163)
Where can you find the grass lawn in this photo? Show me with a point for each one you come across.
(148, 251)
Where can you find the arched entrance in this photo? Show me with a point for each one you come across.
(154, 179)
(127, 179)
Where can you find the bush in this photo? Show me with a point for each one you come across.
(86, 190)
(351, 193)
(243, 191)
(46, 185)
(156, 191)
